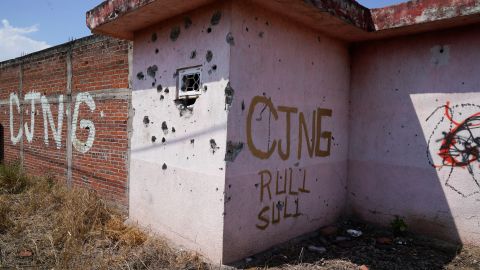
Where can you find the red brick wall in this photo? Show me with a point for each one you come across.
(98, 68)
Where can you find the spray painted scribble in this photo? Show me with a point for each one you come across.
(49, 121)
(281, 191)
(454, 145)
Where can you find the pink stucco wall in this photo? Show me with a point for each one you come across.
(406, 144)
(303, 74)
(295, 129)
(177, 168)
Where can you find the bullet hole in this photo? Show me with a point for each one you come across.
(243, 105)
(229, 92)
(280, 205)
(162, 97)
(159, 88)
(256, 185)
(267, 23)
(205, 88)
(175, 33)
(185, 106)
(153, 84)
(463, 83)
(230, 40)
(164, 140)
(246, 29)
(140, 75)
(156, 51)
(396, 89)
(209, 30)
(192, 141)
(167, 91)
(164, 167)
(442, 50)
(173, 130)
(146, 121)
(154, 139)
(209, 56)
(187, 22)
(333, 138)
(261, 34)
(154, 37)
(214, 67)
(164, 127)
(216, 17)
(87, 128)
(296, 164)
(152, 71)
(233, 150)
(213, 146)
(193, 55)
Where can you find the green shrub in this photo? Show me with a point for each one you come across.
(12, 179)
(399, 226)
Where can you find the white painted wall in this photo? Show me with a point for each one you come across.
(177, 179)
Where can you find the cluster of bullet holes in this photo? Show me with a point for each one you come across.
(175, 33)
(213, 146)
(160, 90)
(215, 20)
(229, 92)
(233, 150)
(146, 121)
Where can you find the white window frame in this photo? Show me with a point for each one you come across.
(185, 72)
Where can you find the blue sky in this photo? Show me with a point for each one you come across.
(31, 25)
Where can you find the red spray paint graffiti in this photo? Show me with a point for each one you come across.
(459, 145)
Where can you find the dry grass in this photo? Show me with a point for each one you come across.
(45, 225)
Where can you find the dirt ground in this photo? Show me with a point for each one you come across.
(376, 248)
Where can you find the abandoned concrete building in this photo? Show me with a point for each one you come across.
(231, 126)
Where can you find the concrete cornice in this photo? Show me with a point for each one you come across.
(344, 19)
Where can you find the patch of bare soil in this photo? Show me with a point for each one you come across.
(377, 248)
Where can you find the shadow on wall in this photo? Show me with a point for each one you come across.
(414, 149)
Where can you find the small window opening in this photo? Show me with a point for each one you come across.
(189, 82)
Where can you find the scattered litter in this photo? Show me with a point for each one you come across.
(400, 241)
(354, 233)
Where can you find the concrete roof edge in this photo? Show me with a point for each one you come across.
(407, 15)
(417, 12)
